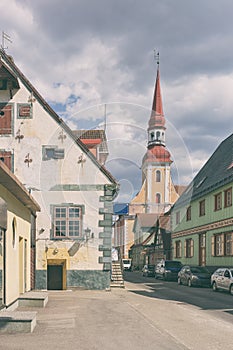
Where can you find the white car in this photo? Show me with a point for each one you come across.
(222, 279)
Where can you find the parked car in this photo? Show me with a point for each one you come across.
(222, 279)
(148, 270)
(167, 269)
(194, 276)
(126, 263)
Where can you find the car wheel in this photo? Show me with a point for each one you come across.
(179, 281)
(189, 283)
(231, 289)
(214, 287)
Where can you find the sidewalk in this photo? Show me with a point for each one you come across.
(88, 320)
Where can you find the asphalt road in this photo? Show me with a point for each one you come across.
(219, 304)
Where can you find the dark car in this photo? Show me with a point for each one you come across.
(167, 269)
(148, 270)
(194, 276)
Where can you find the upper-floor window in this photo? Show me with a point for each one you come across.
(67, 221)
(218, 201)
(188, 213)
(157, 135)
(177, 217)
(52, 152)
(228, 198)
(24, 110)
(7, 158)
(6, 112)
(158, 176)
(202, 208)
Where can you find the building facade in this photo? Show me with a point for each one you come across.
(17, 226)
(202, 218)
(74, 190)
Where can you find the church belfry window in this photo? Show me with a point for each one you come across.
(158, 176)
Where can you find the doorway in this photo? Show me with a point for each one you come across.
(54, 277)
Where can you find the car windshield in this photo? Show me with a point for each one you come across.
(199, 269)
(173, 264)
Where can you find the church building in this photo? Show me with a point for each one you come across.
(157, 193)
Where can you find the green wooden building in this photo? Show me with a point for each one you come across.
(202, 218)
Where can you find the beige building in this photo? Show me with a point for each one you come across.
(70, 183)
(17, 226)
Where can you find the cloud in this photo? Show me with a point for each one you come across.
(86, 55)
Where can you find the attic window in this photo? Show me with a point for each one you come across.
(24, 111)
(52, 152)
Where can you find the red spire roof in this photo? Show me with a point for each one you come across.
(157, 154)
(157, 116)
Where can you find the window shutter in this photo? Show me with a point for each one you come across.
(5, 120)
(213, 245)
(6, 158)
(185, 249)
(191, 248)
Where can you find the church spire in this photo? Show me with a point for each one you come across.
(156, 126)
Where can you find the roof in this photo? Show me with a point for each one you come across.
(16, 72)
(150, 220)
(157, 115)
(13, 185)
(93, 137)
(217, 172)
(157, 153)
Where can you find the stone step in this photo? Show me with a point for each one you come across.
(17, 322)
(33, 299)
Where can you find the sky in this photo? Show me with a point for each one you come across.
(93, 62)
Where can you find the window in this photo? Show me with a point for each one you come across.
(202, 208)
(5, 119)
(152, 136)
(188, 248)
(219, 245)
(177, 217)
(228, 198)
(218, 201)
(67, 221)
(24, 111)
(157, 135)
(158, 198)
(229, 244)
(178, 249)
(188, 214)
(6, 157)
(158, 176)
(52, 152)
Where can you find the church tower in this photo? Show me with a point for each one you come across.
(156, 163)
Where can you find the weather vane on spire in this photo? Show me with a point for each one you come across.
(156, 56)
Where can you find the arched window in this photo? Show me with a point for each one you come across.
(158, 176)
(157, 135)
(152, 136)
(158, 198)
